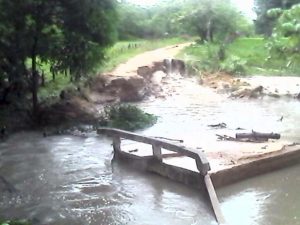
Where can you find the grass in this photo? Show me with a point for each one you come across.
(255, 52)
(247, 54)
(119, 53)
(124, 50)
(14, 222)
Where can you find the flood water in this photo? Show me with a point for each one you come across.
(71, 180)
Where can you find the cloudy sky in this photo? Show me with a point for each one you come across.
(245, 6)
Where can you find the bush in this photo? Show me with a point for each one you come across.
(202, 58)
(234, 65)
(214, 58)
(126, 117)
(285, 41)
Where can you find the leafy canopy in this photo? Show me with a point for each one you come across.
(265, 24)
(70, 35)
(285, 40)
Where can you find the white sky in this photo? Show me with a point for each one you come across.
(245, 6)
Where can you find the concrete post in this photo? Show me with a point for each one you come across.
(157, 152)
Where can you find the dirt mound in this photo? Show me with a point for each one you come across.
(75, 109)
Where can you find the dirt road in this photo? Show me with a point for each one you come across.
(146, 59)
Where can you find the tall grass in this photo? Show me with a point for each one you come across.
(248, 54)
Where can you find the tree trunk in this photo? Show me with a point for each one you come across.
(53, 75)
(202, 35)
(209, 31)
(43, 79)
(256, 135)
(34, 79)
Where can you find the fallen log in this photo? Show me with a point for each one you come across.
(257, 136)
(219, 125)
(225, 138)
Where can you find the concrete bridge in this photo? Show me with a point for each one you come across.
(152, 160)
(190, 166)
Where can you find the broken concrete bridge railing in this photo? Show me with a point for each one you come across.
(201, 161)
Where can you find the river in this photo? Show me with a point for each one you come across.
(71, 180)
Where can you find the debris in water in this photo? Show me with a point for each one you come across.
(280, 120)
(218, 126)
(134, 150)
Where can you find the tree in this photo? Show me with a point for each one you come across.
(264, 24)
(285, 40)
(209, 19)
(213, 19)
(70, 34)
(150, 22)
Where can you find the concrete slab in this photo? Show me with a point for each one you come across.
(227, 166)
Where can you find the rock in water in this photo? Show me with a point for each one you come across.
(130, 89)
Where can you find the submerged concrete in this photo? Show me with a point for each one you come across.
(184, 169)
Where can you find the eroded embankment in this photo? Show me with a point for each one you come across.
(135, 80)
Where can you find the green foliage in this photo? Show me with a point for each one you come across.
(126, 117)
(213, 58)
(158, 21)
(252, 50)
(124, 50)
(243, 56)
(66, 35)
(14, 222)
(214, 20)
(209, 19)
(152, 22)
(274, 13)
(285, 41)
(203, 58)
(234, 65)
(265, 21)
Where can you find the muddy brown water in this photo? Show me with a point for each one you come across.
(71, 180)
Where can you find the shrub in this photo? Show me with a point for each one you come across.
(126, 117)
(234, 65)
(285, 41)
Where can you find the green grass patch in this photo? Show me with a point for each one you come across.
(244, 56)
(124, 50)
(14, 222)
(126, 117)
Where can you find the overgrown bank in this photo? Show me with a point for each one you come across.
(62, 101)
(244, 56)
